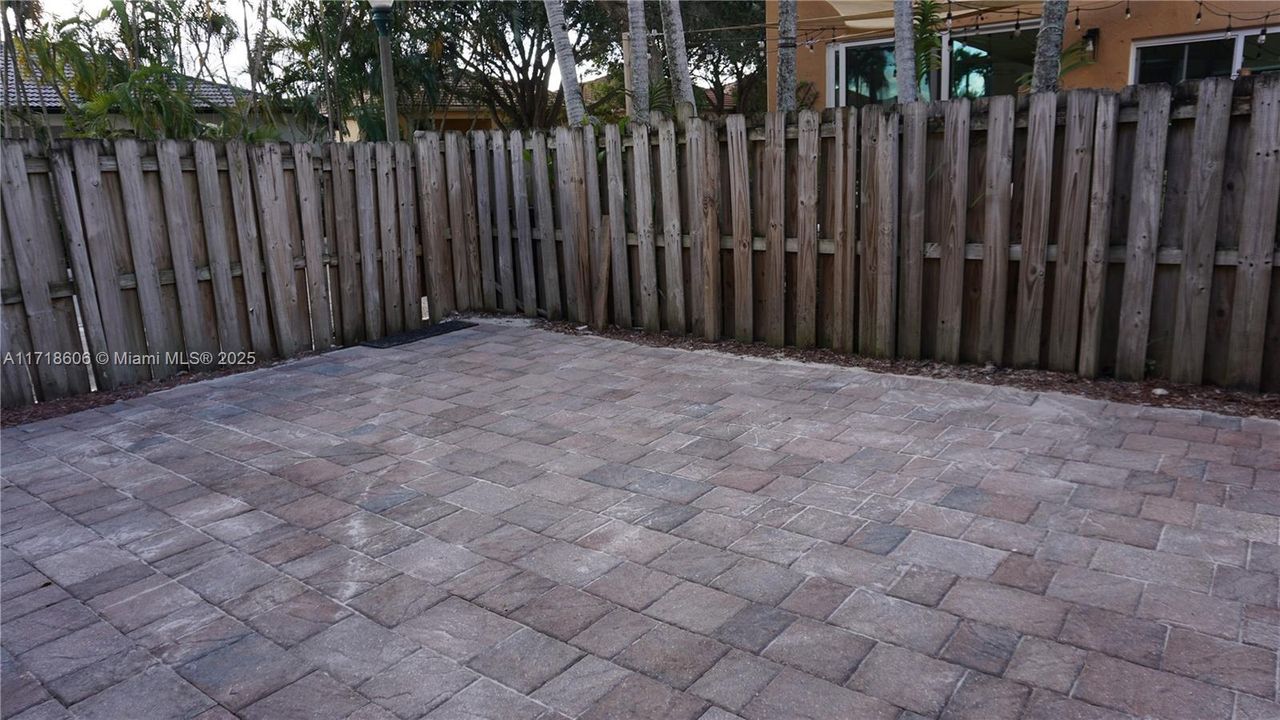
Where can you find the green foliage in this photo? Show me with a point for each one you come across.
(928, 24)
(728, 62)
(125, 65)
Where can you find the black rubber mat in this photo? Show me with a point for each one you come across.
(420, 334)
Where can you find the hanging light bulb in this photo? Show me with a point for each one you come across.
(1017, 23)
(1128, 13)
(948, 14)
(1227, 32)
(1262, 36)
(1199, 11)
(1077, 19)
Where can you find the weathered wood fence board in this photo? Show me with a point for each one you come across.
(1131, 233)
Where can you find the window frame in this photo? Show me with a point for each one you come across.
(1239, 35)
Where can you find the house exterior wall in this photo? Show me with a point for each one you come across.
(1149, 20)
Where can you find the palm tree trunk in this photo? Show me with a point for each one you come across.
(904, 50)
(639, 60)
(787, 55)
(1044, 75)
(677, 56)
(566, 62)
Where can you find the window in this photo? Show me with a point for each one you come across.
(866, 73)
(1185, 61)
(1192, 57)
(990, 63)
(1259, 57)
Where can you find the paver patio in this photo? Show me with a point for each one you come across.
(509, 523)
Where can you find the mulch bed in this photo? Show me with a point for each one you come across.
(1155, 393)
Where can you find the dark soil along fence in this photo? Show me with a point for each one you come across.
(1088, 232)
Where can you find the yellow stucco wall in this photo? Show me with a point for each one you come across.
(1149, 19)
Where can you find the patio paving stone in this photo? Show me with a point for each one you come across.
(505, 522)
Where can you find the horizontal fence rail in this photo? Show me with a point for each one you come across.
(1090, 232)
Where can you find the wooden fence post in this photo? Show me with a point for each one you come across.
(673, 243)
(807, 229)
(774, 182)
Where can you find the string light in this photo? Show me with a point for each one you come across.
(1017, 24)
(1127, 12)
(948, 14)
(1199, 11)
(1077, 19)
(1228, 31)
(1262, 36)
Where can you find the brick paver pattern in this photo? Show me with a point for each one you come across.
(508, 523)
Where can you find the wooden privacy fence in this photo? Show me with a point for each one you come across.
(1086, 231)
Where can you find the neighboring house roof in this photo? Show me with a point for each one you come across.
(35, 93)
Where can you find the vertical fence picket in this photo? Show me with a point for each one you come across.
(619, 270)
(642, 195)
(81, 270)
(673, 243)
(1073, 214)
(213, 215)
(433, 214)
(247, 239)
(312, 227)
(1038, 199)
(997, 206)
(694, 159)
(178, 221)
(350, 287)
(540, 170)
(1255, 235)
(524, 232)
(1101, 186)
(912, 210)
(268, 172)
(410, 237)
(1200, 229)
(877, 287)
(1144, 231)
(502, 221)
(596, 261)
(951, 267)
(461, 232)
(807, 230)
(161, 336)
(740, 207)
(484, 218)
(367, 228)
(774, 182)
(389, 237)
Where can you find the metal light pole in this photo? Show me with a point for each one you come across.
(382, 21)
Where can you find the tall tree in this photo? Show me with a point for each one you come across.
(787, 55)
(639, 60)
(904, 50)
(565, 61)
(1048, 64)
(677, 56)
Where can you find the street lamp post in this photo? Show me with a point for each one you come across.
(382, 21)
